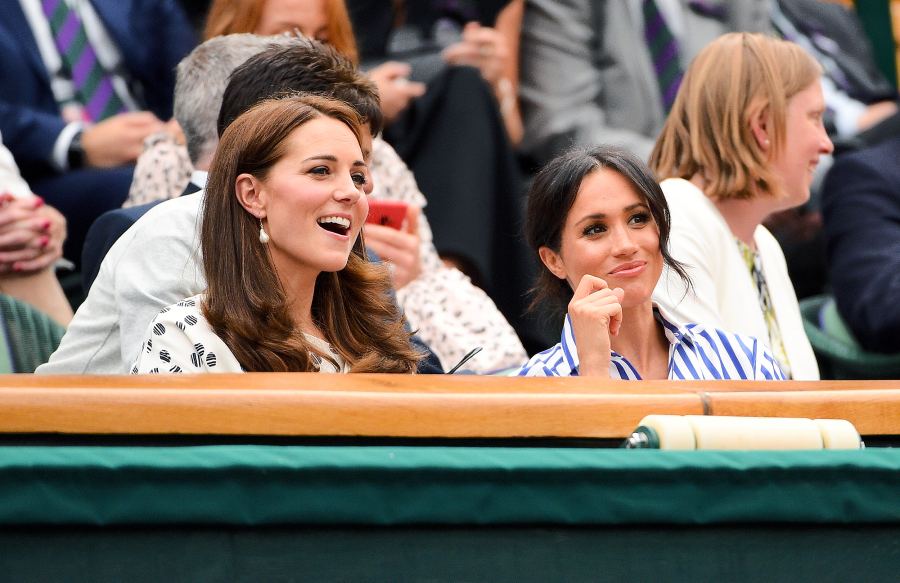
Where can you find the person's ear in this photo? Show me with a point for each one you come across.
(553, 262)
(760, 127)
(251, 194)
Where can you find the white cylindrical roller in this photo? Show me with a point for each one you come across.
(754, 433)
(673, 431)
(720, 432)
(838, 434)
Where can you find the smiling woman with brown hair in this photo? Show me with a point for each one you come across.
(290, 288)
(600, 225)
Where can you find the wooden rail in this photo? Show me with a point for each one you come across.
(414, 406)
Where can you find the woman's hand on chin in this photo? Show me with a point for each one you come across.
(596, 314)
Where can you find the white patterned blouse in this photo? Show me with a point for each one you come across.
(180, 340)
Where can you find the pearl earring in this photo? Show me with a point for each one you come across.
(263, 236)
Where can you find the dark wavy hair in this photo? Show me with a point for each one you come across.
(299, 66)
(246, 304)
(552, 195)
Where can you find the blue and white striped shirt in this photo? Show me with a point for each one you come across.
(695, 352)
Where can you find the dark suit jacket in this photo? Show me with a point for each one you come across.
(849, 46)
(861, 208)
(152, 36)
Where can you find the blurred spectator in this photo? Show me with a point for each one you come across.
(858, 96)
(607, 71)
(861, 207)
(427, 36)
(165, 167)
(31, 240)
(458, 138)
(83, 83)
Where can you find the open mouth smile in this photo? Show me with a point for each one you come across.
(335, 224)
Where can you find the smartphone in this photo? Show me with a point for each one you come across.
(390, 213)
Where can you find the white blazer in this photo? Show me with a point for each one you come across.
(724, 295)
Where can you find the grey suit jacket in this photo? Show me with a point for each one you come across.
(587, 76)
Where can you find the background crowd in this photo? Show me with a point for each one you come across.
(778, 165)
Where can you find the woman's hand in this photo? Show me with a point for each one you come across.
(399, 248)
(31, 234)
(596, 314)
(118, 139)
(395, 90)
(481, 47)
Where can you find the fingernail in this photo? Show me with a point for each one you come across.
(17, 267)
(39, 202)
(45, 240)
(45, 225)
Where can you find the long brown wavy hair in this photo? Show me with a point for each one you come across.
(234, 16)
(246, 304)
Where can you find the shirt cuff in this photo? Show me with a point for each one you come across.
(63, 141)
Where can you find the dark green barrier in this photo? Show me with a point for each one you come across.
(253, 485)
(295, 513)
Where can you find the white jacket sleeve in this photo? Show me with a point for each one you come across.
(11, 180)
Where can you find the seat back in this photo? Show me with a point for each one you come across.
(839, 354)
(31, 335)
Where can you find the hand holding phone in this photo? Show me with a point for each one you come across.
(395, 239)
(389, 213)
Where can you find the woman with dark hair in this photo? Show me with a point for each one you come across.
(600, 225)
(289, 285)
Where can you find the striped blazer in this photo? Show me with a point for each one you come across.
(695, 352)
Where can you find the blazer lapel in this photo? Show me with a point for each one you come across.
(116, 16)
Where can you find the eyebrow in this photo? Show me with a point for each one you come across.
(331, 158)
(597, 216)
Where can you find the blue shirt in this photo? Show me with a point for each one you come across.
(695, 352)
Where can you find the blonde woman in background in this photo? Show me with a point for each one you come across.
(742, 142)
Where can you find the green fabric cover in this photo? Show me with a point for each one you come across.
(6, 365)
(839, 358)
(32, 335)
(834, 326)
(270, 485)
(768, 553)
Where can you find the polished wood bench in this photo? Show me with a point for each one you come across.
(421, 406)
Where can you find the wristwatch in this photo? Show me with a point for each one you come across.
(76, 152)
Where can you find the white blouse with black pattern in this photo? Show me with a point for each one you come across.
(180, 340)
